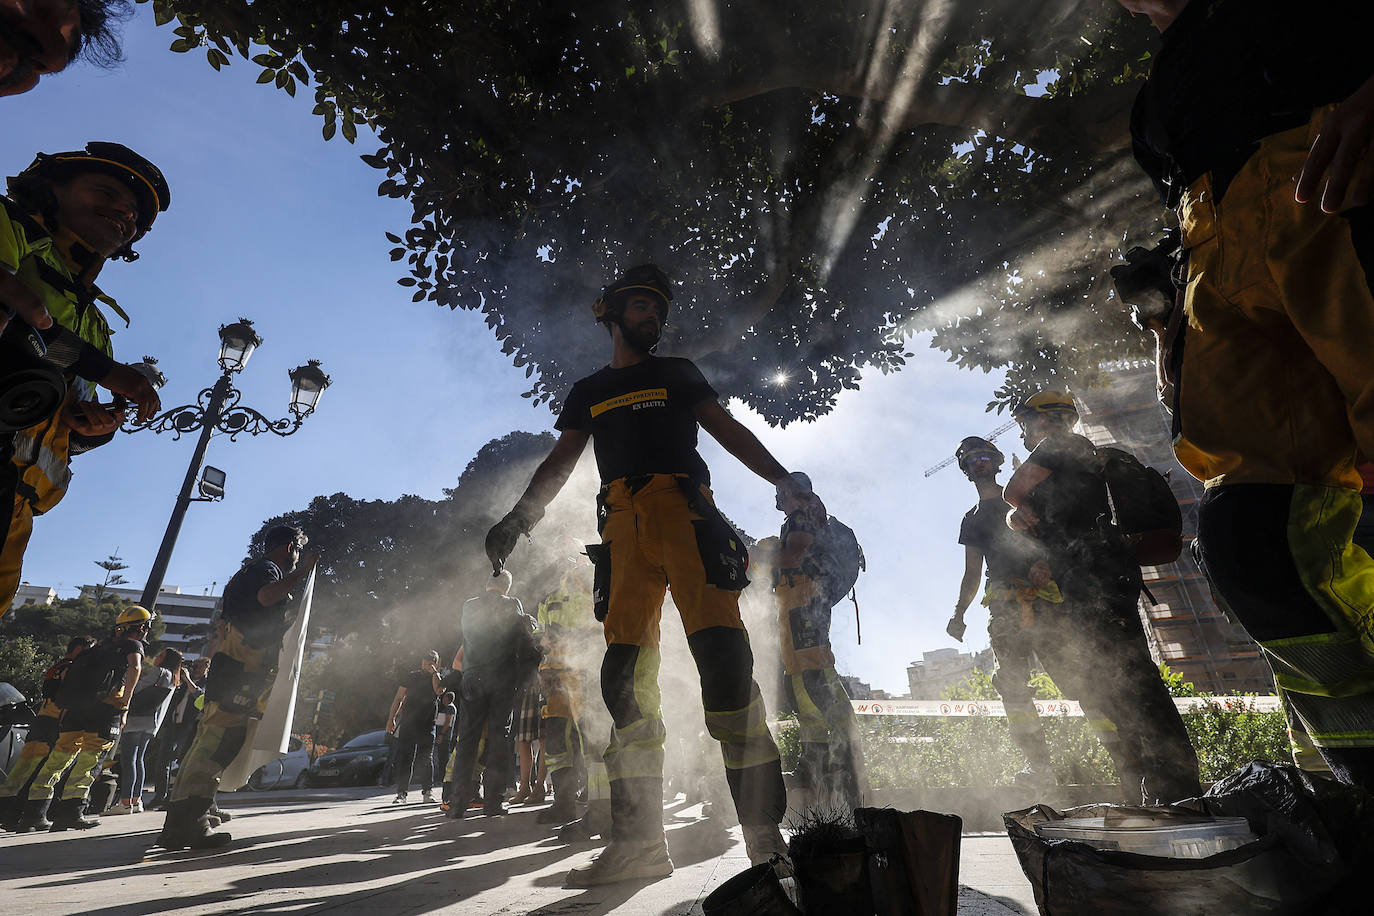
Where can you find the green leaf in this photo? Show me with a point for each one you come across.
(262, 60)
(407, 281)
(215, 58)
(350, 131)
(290, 86)
(328, 130)
(162, 12)
(393, 237)
(266, 76)
(181, 45)
(300, 72)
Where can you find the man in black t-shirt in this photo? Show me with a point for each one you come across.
(258, 610)
(411, 723)
(38, 743)
(1060, 499)
(660, 527)
(94, 695)
(1020, 594)
(1269, 351)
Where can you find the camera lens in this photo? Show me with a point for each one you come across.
(29, 396)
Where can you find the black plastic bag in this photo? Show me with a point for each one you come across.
(1314, 839)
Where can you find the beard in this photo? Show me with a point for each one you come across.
(641, 337)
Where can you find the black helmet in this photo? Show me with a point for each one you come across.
(611, 304)
(142, 177)
(974, 446)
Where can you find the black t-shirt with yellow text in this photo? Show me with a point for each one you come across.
(641, 418)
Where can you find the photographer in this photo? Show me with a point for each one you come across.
(65, 216)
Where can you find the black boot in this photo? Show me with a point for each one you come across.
(10, 807)
(564, 807)
(186, 827)
(70, 814)
(34, 816)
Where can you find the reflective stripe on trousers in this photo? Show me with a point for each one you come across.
(78, 751)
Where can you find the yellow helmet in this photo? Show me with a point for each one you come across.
(1049, 401)
(133, 615)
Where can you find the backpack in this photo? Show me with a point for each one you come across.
(52, 680)
(93, 676)
(836, 552)
(146, 701)
(1146, 511)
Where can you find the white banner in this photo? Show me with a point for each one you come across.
(965, 708)
(269, 736)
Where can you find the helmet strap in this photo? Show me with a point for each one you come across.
(79, 257)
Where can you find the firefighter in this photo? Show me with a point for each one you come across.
(94, 696)
(258, 610)
(1273, 386)
(65, 216)
(38, 37)
(831, 766)
(660, 527)
(38, 743)
(571, 637)
(1059, 496)
(1019, 590)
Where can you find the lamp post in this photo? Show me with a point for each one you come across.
(218, 408)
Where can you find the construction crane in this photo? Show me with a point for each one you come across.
(990, 436)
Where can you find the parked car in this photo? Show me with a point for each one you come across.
(358, 763)
(16, 715)
(286, 772)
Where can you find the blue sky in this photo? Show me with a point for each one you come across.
(271, 223)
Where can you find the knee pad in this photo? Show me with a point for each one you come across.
(618, 683)
(726, 665)
(1242, 546)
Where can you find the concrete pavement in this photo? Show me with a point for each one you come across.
(352, 851)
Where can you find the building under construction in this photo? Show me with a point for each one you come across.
(1187, 630)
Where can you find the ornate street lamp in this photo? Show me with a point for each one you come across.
(237, 342)
(217, 408)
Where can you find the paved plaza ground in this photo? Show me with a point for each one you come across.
(352, 851)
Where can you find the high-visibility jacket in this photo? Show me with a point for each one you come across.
(58, 267)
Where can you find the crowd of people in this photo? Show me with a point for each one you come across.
(1259, 144)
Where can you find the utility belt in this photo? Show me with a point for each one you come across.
(231, 684)
(1020, 594)
(235, 689)
(722, 550)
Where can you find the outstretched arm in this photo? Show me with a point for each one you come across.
(548, 479)
(739, 441)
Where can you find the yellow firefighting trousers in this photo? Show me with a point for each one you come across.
(1276, 393)
(651, 539)
(41, 475)
(235, 693)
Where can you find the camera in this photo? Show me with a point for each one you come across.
(31, 388)
(1146, 282)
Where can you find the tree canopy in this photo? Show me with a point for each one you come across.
(820, 180)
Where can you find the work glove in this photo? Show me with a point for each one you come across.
(503, 535)
(956, 626)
